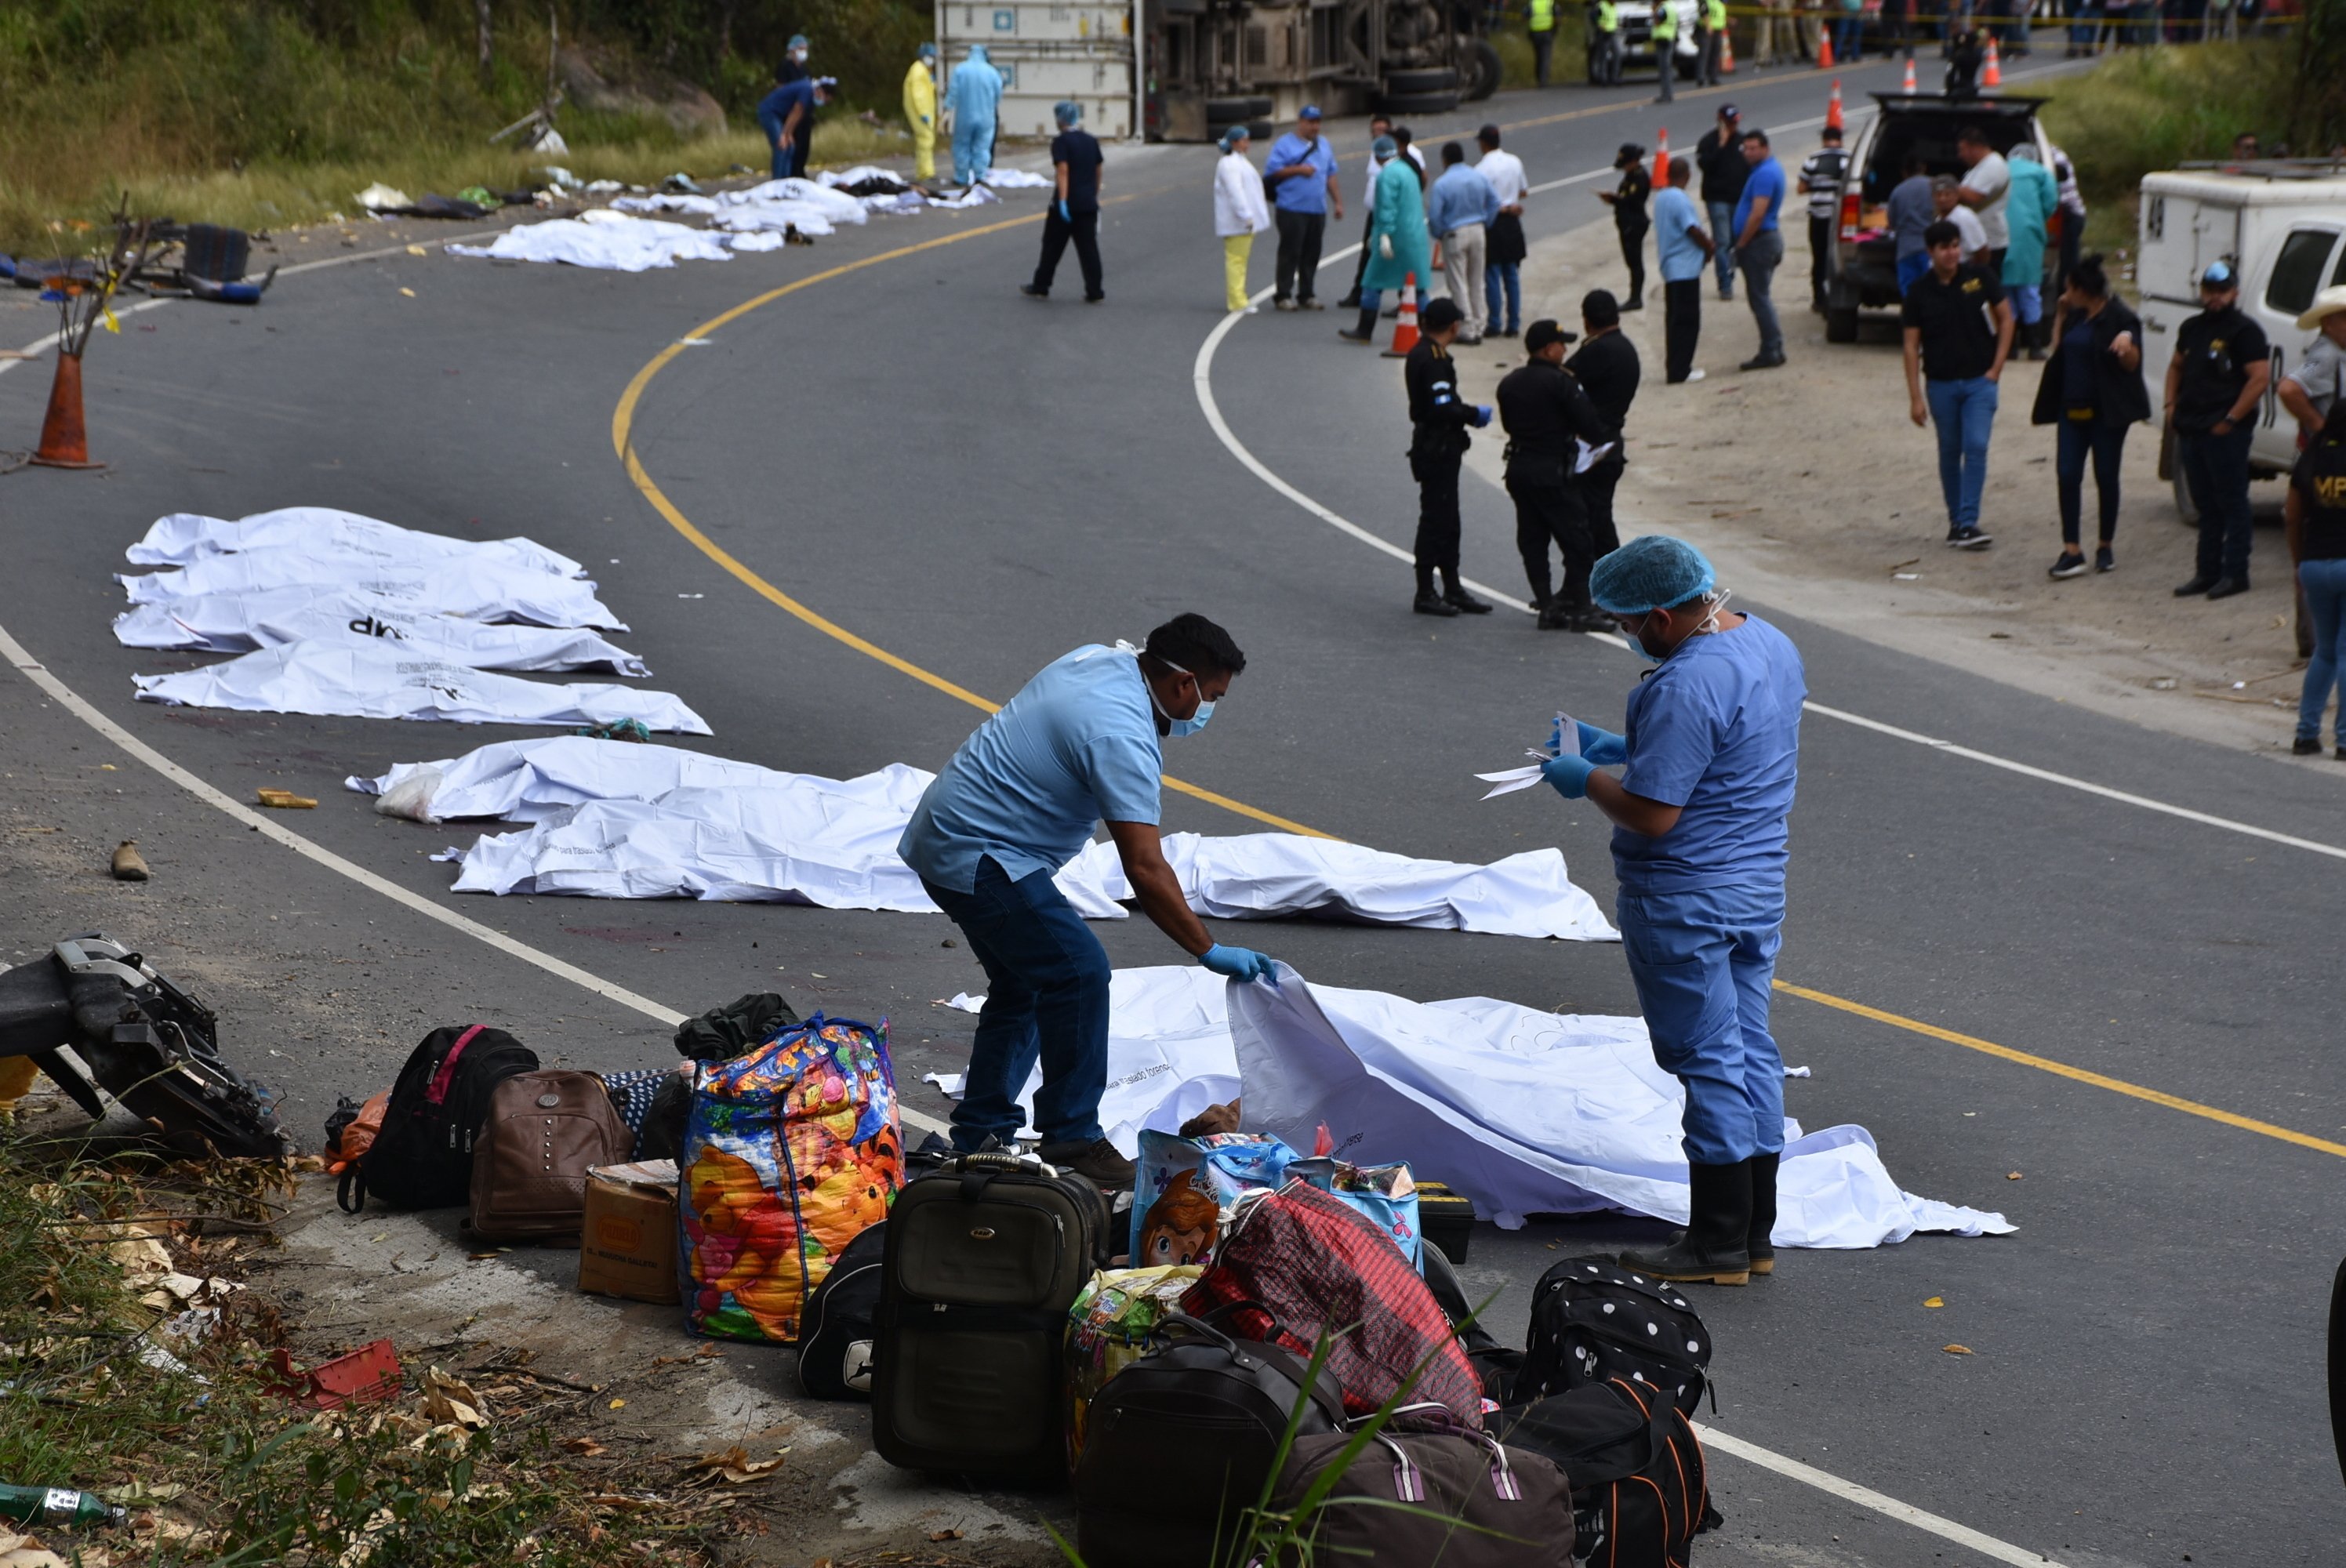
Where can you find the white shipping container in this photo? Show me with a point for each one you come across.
(1050, 53)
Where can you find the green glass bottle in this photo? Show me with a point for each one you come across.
(56, 1505)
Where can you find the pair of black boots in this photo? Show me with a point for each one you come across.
(1729, 1235)
(1453, 600)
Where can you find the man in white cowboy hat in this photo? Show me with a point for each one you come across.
(2311, 392)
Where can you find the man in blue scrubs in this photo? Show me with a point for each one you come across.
(1711, 753)
(1079, 745)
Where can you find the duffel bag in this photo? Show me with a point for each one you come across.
(1299, 1263)
(1594, 1320)
(836, 1332)
(1179, 1444)
(1468, 1502)
(1639, 1488)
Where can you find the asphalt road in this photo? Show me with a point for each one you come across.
(975, 483)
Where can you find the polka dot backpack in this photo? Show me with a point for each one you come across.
(1594, 1321)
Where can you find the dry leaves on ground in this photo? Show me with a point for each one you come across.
(734, 1465)
(447, 1399)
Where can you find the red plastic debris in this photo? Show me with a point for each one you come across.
(370, 1372)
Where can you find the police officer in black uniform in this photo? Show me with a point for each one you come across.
(1439, 420)
(1608, 369)
(1546, 414)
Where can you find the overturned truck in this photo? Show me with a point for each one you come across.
(1212, 64)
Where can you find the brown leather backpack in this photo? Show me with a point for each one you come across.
(530, 1160)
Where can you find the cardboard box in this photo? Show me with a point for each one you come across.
(626, 1243)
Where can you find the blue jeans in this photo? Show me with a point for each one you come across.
(1760, 260)
(1507, 276)
(1964, 414)
(1722, 231)
(1910, 268)
(1702, 962)
(1850, 45)
(772, 125)
(1047, 997)
(2080, 438)
(2027, 303)
(2325, 605)
(2216, 467)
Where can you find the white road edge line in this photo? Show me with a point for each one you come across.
(73, 703)
(1866, 1497)
(1202, 376)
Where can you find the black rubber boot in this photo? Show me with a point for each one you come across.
(1760, 1244)
(1454, 592)
(1711, 1249)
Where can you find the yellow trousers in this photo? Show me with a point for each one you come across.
(16, 1075)
(924, 152)
(1235, 247)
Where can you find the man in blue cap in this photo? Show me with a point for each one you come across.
(1081, 743)
(1300, 170)
(1710, 753)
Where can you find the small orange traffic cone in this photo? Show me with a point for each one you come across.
(1406, 324)
(1908, 88)
(1832, 107)
(1991, 74)
(1824, 47)
(65, 443)
(1662, 159)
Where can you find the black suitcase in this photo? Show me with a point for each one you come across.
(983, 1257)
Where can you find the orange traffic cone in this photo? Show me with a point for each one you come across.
(65, 444)
(1908, 88)
(1832, 107)
(1991, 74)
(1662, 159)
(1406, 324)
(1726, 51)
(1824, 47)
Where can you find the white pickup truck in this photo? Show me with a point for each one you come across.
(2282, 223)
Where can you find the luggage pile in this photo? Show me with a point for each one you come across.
(1261, 1362)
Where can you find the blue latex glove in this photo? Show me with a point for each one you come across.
(1569, 776)
(1064, 215)
(1601, 747)
(1238, 964)
(1482, 415)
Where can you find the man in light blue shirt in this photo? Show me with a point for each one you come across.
(1459, 211)
(1681, 248)
(1711, 755)
(1080, 744)
(1300, 171)
(1760, 245)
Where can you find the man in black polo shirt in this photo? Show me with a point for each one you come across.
(1073, 213)
(1546, 416)
(1958, 330)
(2214, 384)
(1607, 368)
(2319, 485)
(1439, 420)
(1720, 156)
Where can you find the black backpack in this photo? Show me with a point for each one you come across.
(1594, 1320)
(835, 1331)
(1181, 1442)
(423, 1158)
(1640, 1492)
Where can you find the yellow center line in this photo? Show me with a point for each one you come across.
(2063, 1070)
(623, 424)
(623, 420)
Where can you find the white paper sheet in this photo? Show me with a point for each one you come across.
(242, 623)
(1014, 179)
(1522, 1111)
(666, 201)
(185, 538)
(619, 244)
(364, 679)
(531, 781)
(473, 590)
(835, 205)
(774, 218)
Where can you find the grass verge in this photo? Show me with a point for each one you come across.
(107, 1265)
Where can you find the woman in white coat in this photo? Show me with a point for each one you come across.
(1242, 211)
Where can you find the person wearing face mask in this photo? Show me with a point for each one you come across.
(1080, 744)
(1710, 756)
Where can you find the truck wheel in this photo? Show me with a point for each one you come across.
(1399, 84)
(1841, 323)
(1419, 103)
(1482, 77)
(1235, 111)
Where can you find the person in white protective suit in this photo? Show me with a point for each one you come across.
(970, 98)
(1712, 754)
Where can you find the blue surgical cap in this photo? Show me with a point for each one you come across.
(1384, 147)
(798, 41)
(1235, 135)
(1650, 572)
(1069, 113)
(927, 51)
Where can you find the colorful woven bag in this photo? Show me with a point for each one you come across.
(789, 1152)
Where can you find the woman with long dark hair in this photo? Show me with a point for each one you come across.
(2092, 389)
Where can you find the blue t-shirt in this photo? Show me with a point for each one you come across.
(777, 105)
(1077, 746)
(1911, 210)
(1716, 730)
(1767, 178)
(1674, 215)
(1301, 192)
